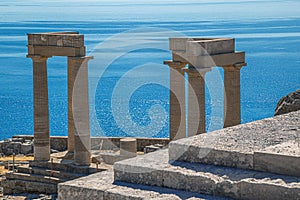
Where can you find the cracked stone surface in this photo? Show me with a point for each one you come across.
(217, 164)
(235, 146)
(206, 179)
(102, 186)
(282, 158)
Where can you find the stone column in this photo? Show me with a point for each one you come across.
(128, 147)
(232, 105)
(196, 101)
(72, 72)
(79, 129)
(41, 112)
(177, 101)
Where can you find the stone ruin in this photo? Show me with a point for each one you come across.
(247, 161)
(258, 160)
(197, 53)
(40, 48)
(200, 55)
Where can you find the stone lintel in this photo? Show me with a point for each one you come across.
(60, 39)
(202, 46)
(49, 51)
(235, 58)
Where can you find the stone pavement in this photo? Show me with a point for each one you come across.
(102, 186)
(258, 160)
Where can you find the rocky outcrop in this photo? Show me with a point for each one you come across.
(289, 103)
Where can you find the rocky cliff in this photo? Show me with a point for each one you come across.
(289, 103)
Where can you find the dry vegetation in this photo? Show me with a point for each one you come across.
(10, 158)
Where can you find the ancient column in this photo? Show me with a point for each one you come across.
(232, 105)
(196, 100)
(80, 121)
(72, 72)
(128, 147)
(41, 112)
(177, 101)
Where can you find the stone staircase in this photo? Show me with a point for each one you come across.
(258, 160)
(43, 177)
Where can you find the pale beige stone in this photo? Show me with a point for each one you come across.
(80, 109)
(196, 101)
(56, 51)
(232, 105)
(177, 101)
(128, 147)
(202, 46)
(71, 44)
(41, 112)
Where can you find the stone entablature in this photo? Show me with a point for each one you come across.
(56, 44)
(41, 46)
(195, 57)
(206, 52)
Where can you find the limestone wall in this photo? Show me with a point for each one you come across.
(23, 144)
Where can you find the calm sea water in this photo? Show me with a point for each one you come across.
(268, 31)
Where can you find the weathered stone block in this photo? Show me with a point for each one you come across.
(93, 186)
(151, 148)
(56, 51)
(59, 39)
(1, 146)
(59, 143)
(211, 60)
(235, 146)
(109, 158)
(9, 151)
(26, 148)
(202, 46)
(281, 159)
(128, 147)
(263, 189)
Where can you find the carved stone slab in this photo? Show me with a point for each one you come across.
(59, 39)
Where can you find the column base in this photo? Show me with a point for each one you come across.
(82, 158)
(42, 153)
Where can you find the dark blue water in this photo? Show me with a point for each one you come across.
(268, 31)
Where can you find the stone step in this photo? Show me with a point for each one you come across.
(33, 177)
(68, 166)
(48, 172)
(102, 186)
(154, 169)
(24, 186)
(245, 146)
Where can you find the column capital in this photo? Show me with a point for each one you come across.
(81, 58)
(37, 58)
(196, 72)
(233, 67)
(174, 64)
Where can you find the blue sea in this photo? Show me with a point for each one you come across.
(129, 93)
